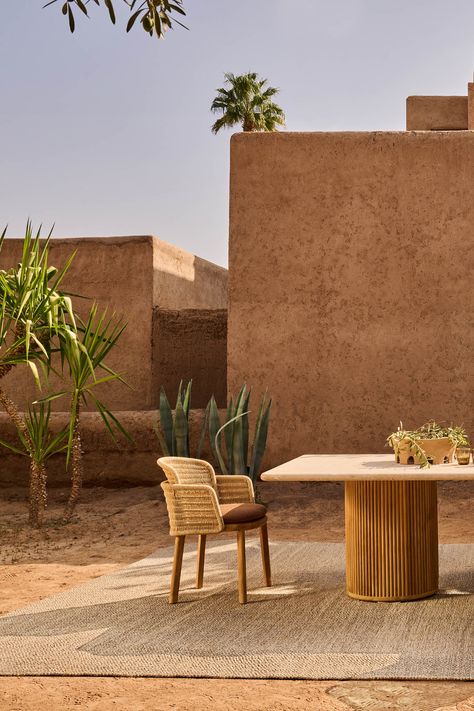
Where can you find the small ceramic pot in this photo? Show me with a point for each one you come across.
(438, 451)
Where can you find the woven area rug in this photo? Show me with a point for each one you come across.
(303, 627)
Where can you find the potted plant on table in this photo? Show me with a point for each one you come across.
(429, 444)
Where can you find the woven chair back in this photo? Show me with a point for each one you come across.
(184, 470)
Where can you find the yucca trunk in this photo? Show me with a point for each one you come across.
(77, 467)
(37, 494)
(38, 499)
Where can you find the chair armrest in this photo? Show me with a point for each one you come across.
(192, 509)
(235, 489)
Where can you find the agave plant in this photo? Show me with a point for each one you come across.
(240, 459)
(173, 427)
(39, 445)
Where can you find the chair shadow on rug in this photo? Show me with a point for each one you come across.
(304, 627)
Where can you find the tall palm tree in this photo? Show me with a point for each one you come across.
(246, 101)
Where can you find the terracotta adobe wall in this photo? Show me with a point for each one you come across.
(135, 277)
(131, 276)
(437, 113)
(441, 113)
(192, 344)
(351, 283)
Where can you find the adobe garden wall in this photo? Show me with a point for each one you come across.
(137, 278)
(132, 276)
(351, 290)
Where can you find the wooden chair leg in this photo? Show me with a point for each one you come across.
(177, 562)
(242, 571)
(200, 560)
(265, 555)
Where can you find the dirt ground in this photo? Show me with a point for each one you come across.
(115, 527)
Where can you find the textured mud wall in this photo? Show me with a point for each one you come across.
(118, 274)
(132, 276)
(437, 113)
(192, 344)
(104, 461)
(351, 272)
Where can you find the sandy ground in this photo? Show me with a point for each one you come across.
(115, 527)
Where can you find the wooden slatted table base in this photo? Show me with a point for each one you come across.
(391, 540)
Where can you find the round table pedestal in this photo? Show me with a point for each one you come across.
(391, 539)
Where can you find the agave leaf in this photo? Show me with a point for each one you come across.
(204, 426)
(245, 431)
(214, 434)
(164, 447)
(179, 397)
(228, 432)
(226, 424)
(260, 441)
(238, 455)
(187, 398)
(166, 421)
(181, 431)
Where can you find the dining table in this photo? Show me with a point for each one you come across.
(391, 519)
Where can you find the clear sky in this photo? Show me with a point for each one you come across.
(105, 133)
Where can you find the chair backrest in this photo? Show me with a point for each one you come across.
(184, 470)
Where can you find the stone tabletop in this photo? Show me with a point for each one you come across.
(363, 467)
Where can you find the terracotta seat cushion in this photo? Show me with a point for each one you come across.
(242, 513)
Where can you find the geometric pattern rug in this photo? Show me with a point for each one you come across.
(304, 627)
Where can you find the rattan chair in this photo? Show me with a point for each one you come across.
(199, 502)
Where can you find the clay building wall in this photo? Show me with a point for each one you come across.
(351, 283)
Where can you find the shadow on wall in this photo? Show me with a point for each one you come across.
(191, 344)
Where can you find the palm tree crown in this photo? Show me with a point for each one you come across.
(246, 101)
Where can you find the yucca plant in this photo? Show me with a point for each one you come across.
(33, 311)
(173, 427)
(240, 458)
(39, 445)
(84, 354)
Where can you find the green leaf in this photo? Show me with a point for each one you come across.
(204, 426)
(164, 448)
(34, 370)
(214, 434)
(9, 446)
(239, 455)
(187, 398)
(166, 421)
(133, 19)
(181, 431)
(260, 440)
(218, 433)
(81, 7)
(108, 4)
(70, 13)
(228, 434)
